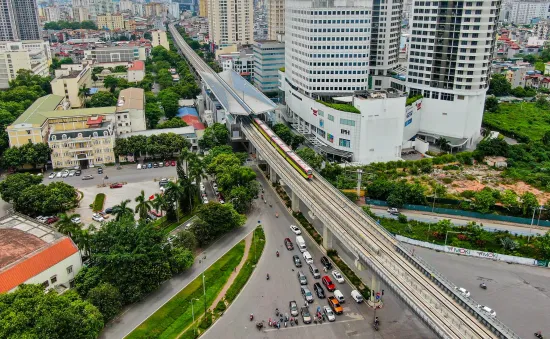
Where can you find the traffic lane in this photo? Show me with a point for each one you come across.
(128, 174)
(519, 294)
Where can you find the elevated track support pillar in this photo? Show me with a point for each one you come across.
(272, 175)
(295, 202)
(327, 238)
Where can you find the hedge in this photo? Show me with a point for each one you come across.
(340, 107)
(98, 202)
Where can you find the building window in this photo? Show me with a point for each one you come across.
(70, 269)
(45, 284)
(64, 137)
(347, 122)
(71, 283)
(331, 117)
(53, 279)
(95, 134)
(80, 135)
(344, 143)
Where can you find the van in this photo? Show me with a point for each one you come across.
(314, 271)
(301, 244)
(357, 296)
(138, 166)
(338, 295)
(308, 258)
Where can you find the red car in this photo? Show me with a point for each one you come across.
(173, 163)
(51, 220)
(167, 163)
(116, 185)
(328, 283)
(156, 214)
(288, 244)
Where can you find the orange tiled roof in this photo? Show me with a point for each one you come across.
(137, 65)
(37, 262)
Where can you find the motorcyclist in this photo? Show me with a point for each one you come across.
(277, 311)
(268, 276)
(376, 321)
(277, 253)
(483, 285)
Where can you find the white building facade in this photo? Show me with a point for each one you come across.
(522, 12)
(231, 22)
(33, 55)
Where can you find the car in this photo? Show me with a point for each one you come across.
(59, 174)
(319, 290)
(297, 261)
(288, 244)
(76, 220)
(307, 257)
(155, 165)
(393, 211)
(463, 291)
(138, 166)
(149, 165)
(87, 177)
(326, 263)
(221, 201)
(72, 173)
(295, 229)
(163, 182)
(487, 310)
(97, 217)
(161, 164)
(65, 174)
(51, 220)
(328, 283)
(173, 163)
(41, 218)
(306, 293)
(301, 278)
(156, 213)
(115, 185)
(78, 173)
(338, 277)
(100, 170)
(202, 188)
(52, 175)
(205, 200)
(293, 306)
(328, 313)
(306, 316)
(104, 215)
(109, 210)
(167, 164)
(335, 305)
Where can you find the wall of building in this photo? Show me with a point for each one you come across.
(269, 57)
(69, 87)
(159, 38)
(99, 150)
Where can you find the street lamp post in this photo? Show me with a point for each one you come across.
(193, 313)
(531, 227)
(203, 284)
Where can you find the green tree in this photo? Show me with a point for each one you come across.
(215, 135)
(107, 299)
(546, 138)
(169, 102)
(143, 205)
(153, 113)
(122, 211)
(499, 86)
(186, 239)
(310, 157)
(509, 199)
(181, 259)
(297, 140)
(164, 79)
(484, 201)
(12, 158)
(14, 184)
(492, 147)
(519, 92)
(214, 220)
(23, 315)
(542, 103)
(110, 82)
(66, 225)
(529, 202)
(159, 203)
(172, 123)
(283, 132)
(102, 99)
(491, 104)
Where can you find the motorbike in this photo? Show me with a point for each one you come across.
(482, 285)
(277, 312)
(538, 335)
(269, 322)
(375, 327)
(251, 316)
(259, 326)
(278, 325)
(277, 253)
(276, 215)
(285, 323)
(268, 276)
(286, 317)
(296, 320)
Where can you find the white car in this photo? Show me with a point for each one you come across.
(295, 229)
(338, 277)
(52, 175)
(201, 186)
(393, 211)
(138, 166)
(487, 310)
(76, 220)
(59, 174)
(72, 173)
(307, 257)
(65, 174)
(328, 312)
(205, 200)
(97, 217)
(215, 186)
(463, 291)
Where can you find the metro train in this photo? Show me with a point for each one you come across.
(301, 166)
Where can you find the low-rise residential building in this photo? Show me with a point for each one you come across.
(33, 55)
(269, 57)
(68, 83)
(158, 38)
(110, 21)
(241, 62)
(136, 72)
(117, 53)
(130, 111)
(33, 253)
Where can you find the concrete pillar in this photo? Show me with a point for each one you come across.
(359, 265)
(327, 238)
(295, 202)
(272, 175)
(375, 286)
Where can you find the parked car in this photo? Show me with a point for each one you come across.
(302, 278)
(161, 164)
(306, 317)
(156, 213)
(288, 244)
(167, 164)
(328, 312)
(307, 257)
(297, 261)
(487, 310)
(319, 290)
(463, 291)
(306, 293)
(115, 185)
(109, 210)
(78, 173)
(104, 215)
(72, 173)
(97, 217)
(138, 166)
(335, 305)
(326, 263)
(76, 220)
(328, 283)
(173, 163)
(52, 175)
(65, 174)
(155, 165)
(51, 220)
(59, 174)
(149, 165)
(393, 211)
(100, 170)
(293, 306)
(295, 229)
(205, 200)
(338, 277)
(87, 177)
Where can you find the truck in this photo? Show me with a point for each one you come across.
(301, 243)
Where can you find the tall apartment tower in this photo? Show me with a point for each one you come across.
(203, 8)
(231, 22)
(451, 45)
(385, 39)
(276, 18)
(327, 45)
(19, 20)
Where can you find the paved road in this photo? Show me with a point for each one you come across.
(488, 225)
(520, 295)
(261, 297)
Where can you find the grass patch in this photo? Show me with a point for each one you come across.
(519, 120)
(340, 106)
(175, 315)
(98, 202)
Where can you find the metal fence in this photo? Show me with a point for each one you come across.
(469, 214)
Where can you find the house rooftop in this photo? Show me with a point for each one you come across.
(137, 65)
(130, 98)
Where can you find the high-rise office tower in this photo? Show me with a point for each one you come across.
(231, 22)
(385, 38)
(19, 20)
(276, 18)
(451, 45)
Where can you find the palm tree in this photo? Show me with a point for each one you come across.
(65, 224)
(443, 144)
(196, 168)
(84, 91)
(143, 205)
(174, 194)
(122, 210)
(83, 238)
(159, 203)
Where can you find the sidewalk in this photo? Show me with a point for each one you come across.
(221, 295)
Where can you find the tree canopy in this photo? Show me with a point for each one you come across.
(59, 25)
(172, 123)
(215, 135)
(214, 220)
(102, 99)
(32, 154)
(499, 86)
(164, 145)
